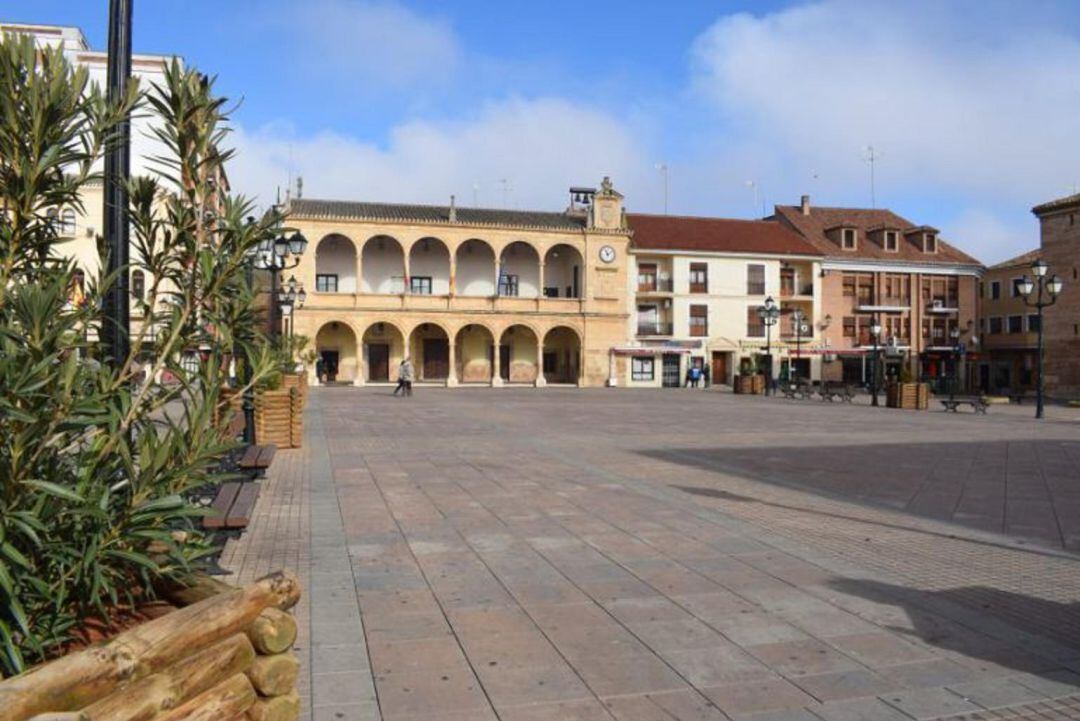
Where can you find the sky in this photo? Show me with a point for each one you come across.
(971, 108)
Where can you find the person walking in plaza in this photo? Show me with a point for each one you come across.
(405, 377)
(706, 375)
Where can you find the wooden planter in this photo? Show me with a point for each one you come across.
(279, 414)
(219, 653)
(754, 384)
(912, 396)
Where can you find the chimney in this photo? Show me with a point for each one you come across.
(453, 210)
(804, 204)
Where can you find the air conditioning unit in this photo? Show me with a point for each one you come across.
(828, 357)
(939, 304)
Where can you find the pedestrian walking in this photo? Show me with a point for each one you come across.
(405, 378)
(695, 376)
(689, 376)
(706, 375)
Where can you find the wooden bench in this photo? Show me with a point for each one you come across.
(977, 404)
(256, 459)
(232, 507)
(1018, 397)
(832, 391)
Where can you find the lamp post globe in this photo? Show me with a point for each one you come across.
(1041, 293)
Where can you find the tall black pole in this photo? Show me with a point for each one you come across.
(274, 329)
(768, 356)
(116, 304)
(1039, 381)
(874, 372)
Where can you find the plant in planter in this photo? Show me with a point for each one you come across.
(97, 458)
(905, 393)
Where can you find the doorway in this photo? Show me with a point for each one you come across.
(719, 368)
(436, 359)
(504, 362)
(330, 360)
(379, 362)
(670, 377)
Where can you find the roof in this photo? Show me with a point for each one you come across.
(1024, 259)
(1068, 201)
(814, 225)
(717, 235)
(431, 214)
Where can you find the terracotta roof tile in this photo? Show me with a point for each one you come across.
(1068, 201)
(1024, 259)
(432, 214)
(813, 227)
(720, 235)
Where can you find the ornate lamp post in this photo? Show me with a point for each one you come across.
(769, 314)
(798, 317)
(289, 299)
(1048, 287)
(276, 256)
(955, 380)
(875, 333)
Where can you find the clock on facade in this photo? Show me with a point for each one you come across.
(607, 253)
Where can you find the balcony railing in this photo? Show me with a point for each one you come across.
(657, 328)
(865, 339)
(657, 285)
(789, 291)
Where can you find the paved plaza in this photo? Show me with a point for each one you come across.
(564, 554)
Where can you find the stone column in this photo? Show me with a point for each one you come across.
(453, 274)
(405, 269)
(496, 361)
(541, 280)
(540, 380)
(451, 371)
(360, 271)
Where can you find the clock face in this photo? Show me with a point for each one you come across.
(607, 254)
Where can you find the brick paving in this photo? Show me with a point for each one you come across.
(572, 554)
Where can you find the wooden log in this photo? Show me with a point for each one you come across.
(146, 698)
(199, 588)
(78, 679)
(273, 631)
(278, 708)
(274, 675)
(63, 716)
(229, 699)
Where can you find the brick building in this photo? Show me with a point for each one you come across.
(879, 265)
(1008, 329)
(1059, 231)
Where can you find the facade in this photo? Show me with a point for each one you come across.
(878, 265)
(1008, 330)
(1059, 230)
(697, 285)
(471, 296)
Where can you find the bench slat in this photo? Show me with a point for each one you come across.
(221, 505)
(240, 514)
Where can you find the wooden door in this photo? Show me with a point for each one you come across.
(436, 358)
(719, 368)
(378, 362)
(330, 365)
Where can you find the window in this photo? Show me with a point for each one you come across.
(646, 278)
(699, 321)
(848, 238)
(1033, 323)
(849, 282)
(995, 289)
(508, 285)
(896, 290)
(699, 278)
(138, 285)
(787, 281)
(326, 283)
(849, 326)
(755, 325)
(1016, 324)
(67, 222)
(995, 325)
(929, 243)
(420, 285)
(78, 287)
(755, 279)
(1016, 290)
(892, 243)
(866, 290)
(982, 289)
(643, 368)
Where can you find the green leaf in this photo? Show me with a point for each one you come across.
(54, 489)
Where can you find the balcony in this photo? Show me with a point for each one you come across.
(788, 290)
(654, 329)
(656, 285)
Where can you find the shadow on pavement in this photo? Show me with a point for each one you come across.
(1028, 490)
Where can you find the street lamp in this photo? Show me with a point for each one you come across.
(1048, 290)
(769, 314)
(954, 381)
(875, 333)
(291, 297)
(798, 317)
(276, 256)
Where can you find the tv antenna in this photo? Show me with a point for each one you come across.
(506, 188)
(758, 200)
(871, 156)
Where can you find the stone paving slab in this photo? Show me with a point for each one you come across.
(568, 554)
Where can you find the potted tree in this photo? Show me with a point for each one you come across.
(906, 393)
(750, 379)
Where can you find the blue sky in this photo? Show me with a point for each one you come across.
(972, 107)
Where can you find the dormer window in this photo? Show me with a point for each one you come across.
(847, 238)
(929, 243)
(892, 241)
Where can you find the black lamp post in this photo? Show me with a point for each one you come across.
(954, 334)
(875, 333)
(798, 318)
(1049, 287)
(769, 314)
(290, 299)
(116, 316)
(279, 255)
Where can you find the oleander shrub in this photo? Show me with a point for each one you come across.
(99, 456)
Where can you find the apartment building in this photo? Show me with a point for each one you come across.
(697, 284)
(879, 266)
(472, 296)
(1008, 329)
(1059, 231)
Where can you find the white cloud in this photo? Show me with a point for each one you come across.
(540, 146)
(381, 44)
(959, 106)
